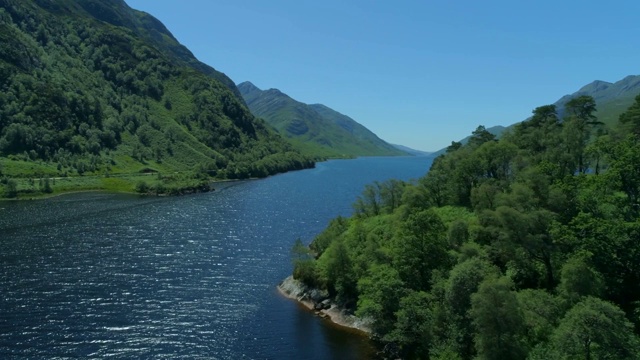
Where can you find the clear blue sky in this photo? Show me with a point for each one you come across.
(416, 73)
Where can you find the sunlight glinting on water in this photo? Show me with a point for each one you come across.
(100, 275)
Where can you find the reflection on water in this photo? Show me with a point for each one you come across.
(97, 275)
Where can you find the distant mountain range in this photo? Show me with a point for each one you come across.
(612, 99)
(314, 129)
(411, 151)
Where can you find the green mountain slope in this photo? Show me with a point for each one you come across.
(315, 129)
(612, 99)
(93, 87)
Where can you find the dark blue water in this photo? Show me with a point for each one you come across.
(101, 275)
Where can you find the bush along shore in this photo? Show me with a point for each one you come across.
(321, 304)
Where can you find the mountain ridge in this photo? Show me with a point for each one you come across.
(316, 129)
(118, 13)
(612, 99)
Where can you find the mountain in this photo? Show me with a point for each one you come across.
(612, 99)
(93, 87)
(411, 151)
(495, 130)
(315, 129)
(142, 24)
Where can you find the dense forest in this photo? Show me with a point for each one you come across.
(525, 247)
(96, 88)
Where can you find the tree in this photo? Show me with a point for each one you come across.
(46, 185)
(525, 229)
(582, 107)
(369, 202)
(455, 145)
(538, 136)
(595, 329)
(419, 248)
(414, 326)
(498, 320)
(579, 279)
(624, 172)
(480, 136)
(338, 273)
(578, 129)
(380, 294)
(630, 119)
(437, 187)
(391, 194)
(304, 264)
(11, 189)
(463, 281)
(541, 312)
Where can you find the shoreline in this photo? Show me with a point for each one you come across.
(319, 303)
(213, 186)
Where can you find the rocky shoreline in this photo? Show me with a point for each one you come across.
(321, 304)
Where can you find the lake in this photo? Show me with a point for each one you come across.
(96, 275)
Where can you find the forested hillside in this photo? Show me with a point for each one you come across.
(316, 130)
(95, 89)
(525, 247)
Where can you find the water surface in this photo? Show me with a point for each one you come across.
(98, 275)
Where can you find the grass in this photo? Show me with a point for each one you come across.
(35, 186)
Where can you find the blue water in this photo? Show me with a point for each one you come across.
(98, 275)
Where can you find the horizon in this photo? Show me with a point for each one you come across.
(417, 75)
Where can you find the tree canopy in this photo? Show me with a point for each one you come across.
(521, 247)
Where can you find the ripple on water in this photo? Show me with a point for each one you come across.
(99, 275)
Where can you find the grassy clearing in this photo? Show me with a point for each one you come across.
(150, 183)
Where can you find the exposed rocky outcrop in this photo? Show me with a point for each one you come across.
(319, 301)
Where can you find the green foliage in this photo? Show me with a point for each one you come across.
(498, 320)
(579, 279)
(420, 248)
(89, 87)
(631, 118)
(381, 291)
(10, 188)
(523, 247)
(414, 325)
(304, 265)
(142, 187)
(595, 329)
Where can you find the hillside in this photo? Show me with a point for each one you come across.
(612, 99)
(411, 151)
(315, 129)
(495, 130)
(523, 247)
(96, 89)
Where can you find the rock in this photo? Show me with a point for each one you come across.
(319, 302)
(317, 295)
(325, 304)
(293, 287)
